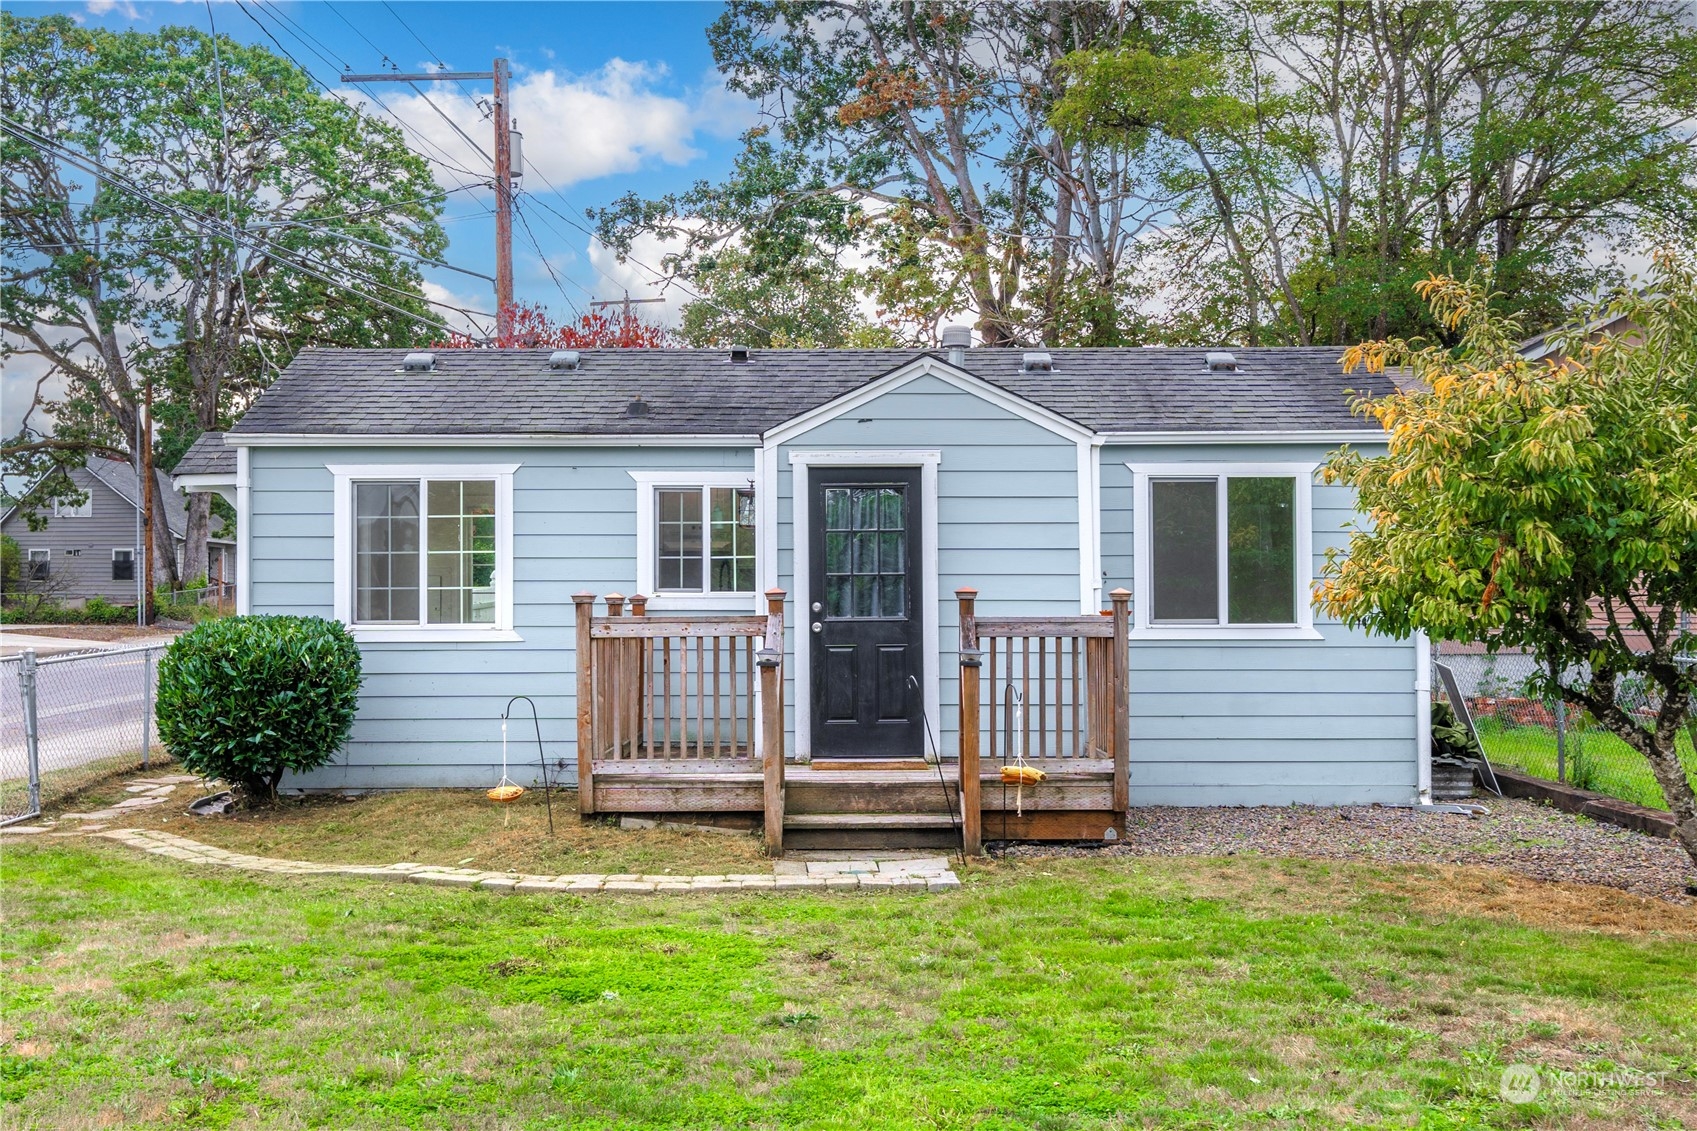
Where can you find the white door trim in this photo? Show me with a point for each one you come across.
(928, 461)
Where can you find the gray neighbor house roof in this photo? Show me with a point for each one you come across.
(121, 479)
(207, 456)
(489, 392)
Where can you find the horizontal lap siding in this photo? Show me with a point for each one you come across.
(1262, 722)
(1007, 512)
(430, 713)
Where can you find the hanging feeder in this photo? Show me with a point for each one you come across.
(506, 790)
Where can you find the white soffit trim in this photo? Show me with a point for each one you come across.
(912, 371)
(1297, 436)
(802, 576)
(485, 440)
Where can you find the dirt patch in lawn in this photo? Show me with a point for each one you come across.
(106, 633)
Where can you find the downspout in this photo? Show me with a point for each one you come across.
(244, 530)
(1423, 718)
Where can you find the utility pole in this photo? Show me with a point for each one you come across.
(508, 168)
(627, 302)
(147, 511)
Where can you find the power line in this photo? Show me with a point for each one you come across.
(211, 224)
(230, 204)
(540, 254)
(437, 59)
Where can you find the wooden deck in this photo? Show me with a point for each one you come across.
(674, 732)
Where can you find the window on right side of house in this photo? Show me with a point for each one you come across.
(1223, 550)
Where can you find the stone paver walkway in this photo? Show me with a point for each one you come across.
(912, 875)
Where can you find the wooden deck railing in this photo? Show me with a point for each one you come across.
(1058, 694)
(676, 689)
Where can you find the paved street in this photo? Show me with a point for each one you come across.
(89, 708)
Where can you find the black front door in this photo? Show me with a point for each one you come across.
(863, 526)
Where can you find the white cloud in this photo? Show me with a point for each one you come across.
(18, 377)
(641, 276)
(441, 297)
(576, 127)
(123, 7)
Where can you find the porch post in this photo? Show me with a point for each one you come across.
(971, 807)
(771, 664)
(585, 603)
(1121, 599)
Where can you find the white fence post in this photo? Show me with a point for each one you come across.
(32, 730)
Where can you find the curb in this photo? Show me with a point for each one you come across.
(1652, 822)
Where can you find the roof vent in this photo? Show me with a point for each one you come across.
(418, 363)
(564, 359)
(739, 354)
(637, 406)
(1036, 362)
(1219, 361)
(957, 337)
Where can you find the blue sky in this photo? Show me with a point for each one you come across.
(610, 97)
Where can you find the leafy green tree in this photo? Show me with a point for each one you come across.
(1546, 505)
(922, 133)
(808, 303)
(108, 289)
(1334, 154)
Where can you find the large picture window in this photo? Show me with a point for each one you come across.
(424, 552)
(1223, 548)
(696, 538)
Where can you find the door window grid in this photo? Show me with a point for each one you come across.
(865, 552)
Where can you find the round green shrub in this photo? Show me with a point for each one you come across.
(247, 698)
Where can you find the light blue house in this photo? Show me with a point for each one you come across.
(448, 506)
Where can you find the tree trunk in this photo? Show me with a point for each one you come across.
(195, 563)
(1663, 756)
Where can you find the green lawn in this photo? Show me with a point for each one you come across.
(1596, 759)
(1052, 994)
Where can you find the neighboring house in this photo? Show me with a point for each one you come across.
(92, 549)
(447, 507)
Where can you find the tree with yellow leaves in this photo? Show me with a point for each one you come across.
(1549, 505)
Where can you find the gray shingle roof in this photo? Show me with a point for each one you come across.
(122, 479)
(513, 392)
(207, 456)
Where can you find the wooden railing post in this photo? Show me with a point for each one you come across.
(585, 603)
(639, 679)
(771, 663)
(971, 808)
(1121, 686)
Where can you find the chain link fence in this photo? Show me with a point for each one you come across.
(70, 720)
(1550, 740)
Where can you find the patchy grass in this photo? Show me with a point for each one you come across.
(1049, 993)
(450, 827)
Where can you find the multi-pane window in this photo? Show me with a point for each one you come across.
(1223, 550)
(866, 551)
(65, 509)
(704, 539)
(445, 576)
(123, 565)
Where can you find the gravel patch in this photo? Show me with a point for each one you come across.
(1519, 836)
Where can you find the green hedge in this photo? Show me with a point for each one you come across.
(248, 698)
(96, 611)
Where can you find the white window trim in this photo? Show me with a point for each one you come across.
(346, 475)
(647, 483)
(1303, 629)
(84, 510)
(801, 642)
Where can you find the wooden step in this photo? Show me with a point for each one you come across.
(868, 821)
(874, 765)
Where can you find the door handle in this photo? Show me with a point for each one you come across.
(817, 627)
